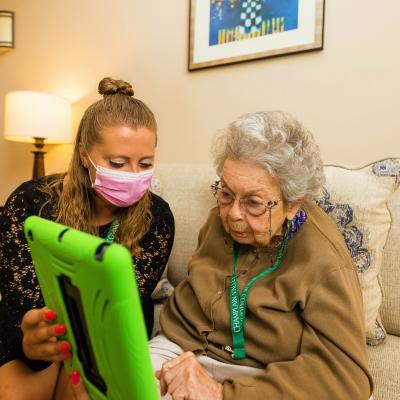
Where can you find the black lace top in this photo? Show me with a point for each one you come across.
(19, 287)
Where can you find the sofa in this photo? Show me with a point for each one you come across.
(365, 204)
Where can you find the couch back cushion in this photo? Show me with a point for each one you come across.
(364, 203)
(390, 272)
(186, 187)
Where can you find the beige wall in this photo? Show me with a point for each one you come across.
(348, 94)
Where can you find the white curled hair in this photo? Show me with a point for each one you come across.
(277, 142)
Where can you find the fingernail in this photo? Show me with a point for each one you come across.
(66, 356)
(49, 315)
(65, 346)
(59, 329)
(75, 377)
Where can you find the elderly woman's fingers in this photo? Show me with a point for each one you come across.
(179, 396)
(167, 372)
(177, 360)
(174, 378)
(187, 379)
(78, 388)
(163, 385)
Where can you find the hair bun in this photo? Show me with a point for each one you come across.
(109, 86)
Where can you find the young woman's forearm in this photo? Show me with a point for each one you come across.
(19, 382)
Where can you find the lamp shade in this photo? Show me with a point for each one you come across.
(6, 31)
(30, 115)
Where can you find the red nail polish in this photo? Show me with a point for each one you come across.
(49, 315)
(59, 329)
(65, 346)
(75, 377)
(66, 356)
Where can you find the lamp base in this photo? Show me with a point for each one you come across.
(38, 161)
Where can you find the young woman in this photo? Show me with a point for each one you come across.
(105, 192)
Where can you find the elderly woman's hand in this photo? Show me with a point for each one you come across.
(184, 378)
(40, 336)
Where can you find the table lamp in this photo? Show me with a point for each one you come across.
(34, 117)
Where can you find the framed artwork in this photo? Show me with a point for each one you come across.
(230, 31)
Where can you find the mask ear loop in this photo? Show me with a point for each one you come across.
(90, 178)
(91, 160)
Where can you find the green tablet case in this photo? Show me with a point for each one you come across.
(91, 286)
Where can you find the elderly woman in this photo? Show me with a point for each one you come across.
(271, 307)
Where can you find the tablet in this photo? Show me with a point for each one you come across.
(91, 285)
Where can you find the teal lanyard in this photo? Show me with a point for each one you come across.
(112, 232)
(238, 302)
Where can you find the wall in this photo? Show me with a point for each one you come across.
(346, 94)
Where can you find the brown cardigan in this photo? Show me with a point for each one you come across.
(304, 322)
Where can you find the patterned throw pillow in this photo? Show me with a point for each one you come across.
(357, 201)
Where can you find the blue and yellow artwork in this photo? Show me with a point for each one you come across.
(234, 20)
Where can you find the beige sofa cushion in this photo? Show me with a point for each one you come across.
(390, 273)
(384, 364)
(357, 200)
(186, 187)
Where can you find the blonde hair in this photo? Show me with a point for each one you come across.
(75, 205)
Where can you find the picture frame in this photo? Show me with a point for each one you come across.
(231, 31)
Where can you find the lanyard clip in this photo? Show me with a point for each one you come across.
(228, 349)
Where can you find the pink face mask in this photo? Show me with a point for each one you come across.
(121, 188)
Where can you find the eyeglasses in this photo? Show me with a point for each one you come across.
(251, 206)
